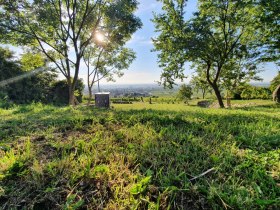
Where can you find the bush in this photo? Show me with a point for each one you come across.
(36, 88)
(251, 92)
(4, 102)
(60, 93)
(32, 89)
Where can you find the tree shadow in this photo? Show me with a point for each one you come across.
(29, 119)
(259, 132)
(186, 144)
(265, 108)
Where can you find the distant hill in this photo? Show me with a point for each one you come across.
(126, 88)
(260, 84)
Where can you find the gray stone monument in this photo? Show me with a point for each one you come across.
(102, 100)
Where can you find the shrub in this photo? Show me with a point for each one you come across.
(60, 93)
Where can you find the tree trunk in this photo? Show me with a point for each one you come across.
(72, 84)
(71, 93)
(90, 94)
(214, 85)
(71, 97)
(203, 93)
(218, 95)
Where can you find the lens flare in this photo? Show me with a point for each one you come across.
(20, 77)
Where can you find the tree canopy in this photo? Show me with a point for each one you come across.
(269, 23)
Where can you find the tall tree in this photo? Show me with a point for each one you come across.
(63, 29)
(222, 30)
(107, 56)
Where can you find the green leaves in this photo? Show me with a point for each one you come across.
(268, 23)
(31, 61)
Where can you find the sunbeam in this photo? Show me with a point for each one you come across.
(22, 76)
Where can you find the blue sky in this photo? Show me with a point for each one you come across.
(145, 68)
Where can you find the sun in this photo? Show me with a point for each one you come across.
(99, 37)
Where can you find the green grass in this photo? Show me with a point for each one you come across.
(140, 156)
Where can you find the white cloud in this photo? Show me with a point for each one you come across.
(131, 77)
(139, 40)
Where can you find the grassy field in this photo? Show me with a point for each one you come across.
(140, 156)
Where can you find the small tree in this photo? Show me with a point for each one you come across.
(238, 72)
(199, 83)
(185, 93)
(105, 63)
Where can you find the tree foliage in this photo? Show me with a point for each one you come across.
(41, 87)
(8, 66)
(200, 83)
(268, 20)
(34, 88)
(252, 92)
(30, 61)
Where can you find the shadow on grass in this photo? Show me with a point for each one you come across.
(166, 147)
(258, 132)
(264, 108)
(190, 143)
(27, 120)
